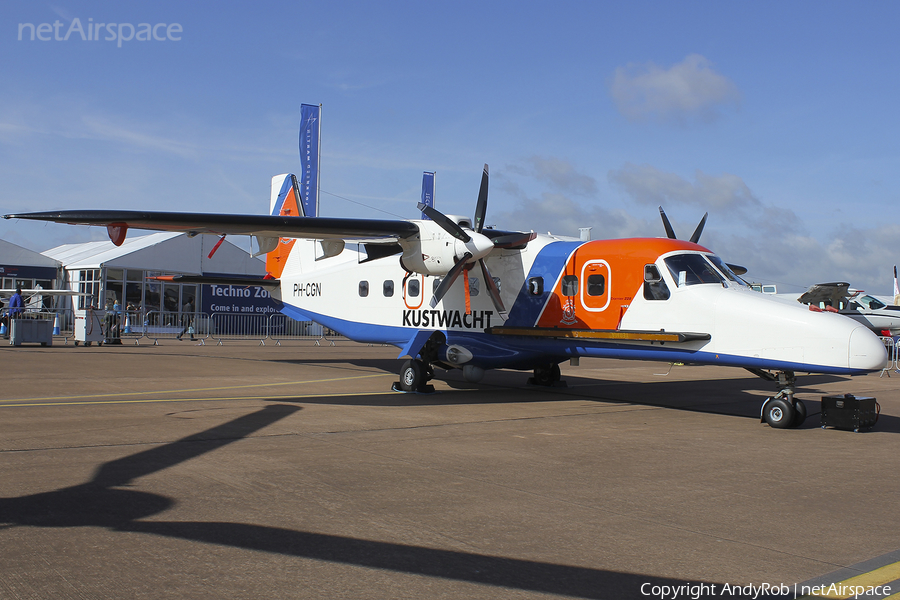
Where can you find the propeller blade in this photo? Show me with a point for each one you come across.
(445, 223)
(670, 233)
(737, 269)
(492, 287)
(514, 239)
(481, 206)
(696, 236)
(449, 278)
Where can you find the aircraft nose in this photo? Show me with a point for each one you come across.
(867, 351)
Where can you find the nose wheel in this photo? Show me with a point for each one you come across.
(782, 411)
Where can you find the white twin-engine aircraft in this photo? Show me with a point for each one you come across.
(452, 293)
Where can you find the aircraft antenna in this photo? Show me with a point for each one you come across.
(364, 205)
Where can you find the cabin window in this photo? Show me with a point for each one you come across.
(363, 289)
(388, 288)
(654, 286)
(413, 288)
(536, 286)
(497, 283)
(570, 285)
(692, 269)
(596, 285)
(436, 285)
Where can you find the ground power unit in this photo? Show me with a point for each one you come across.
(847, 411)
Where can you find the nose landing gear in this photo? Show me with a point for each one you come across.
(781, 411)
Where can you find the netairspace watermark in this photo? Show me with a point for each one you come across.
(698, 591)
(94, 32)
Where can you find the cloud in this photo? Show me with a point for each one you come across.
(559, 214)
(772, 241)
(559, 173)
(688, 91)
(556, 210)
(646, 184)
(105, 129)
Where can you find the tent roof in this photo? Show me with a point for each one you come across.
(163, 251)
(11, 254)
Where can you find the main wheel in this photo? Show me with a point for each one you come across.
(413, 376)
(799, 413)
(547, 374)
(779, 414)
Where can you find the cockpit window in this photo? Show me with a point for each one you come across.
(692, 269)
(871, 303)
(726, 270)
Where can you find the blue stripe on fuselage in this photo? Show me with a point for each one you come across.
(548, 264)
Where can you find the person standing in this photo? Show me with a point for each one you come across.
(187, 319)
(16, 304)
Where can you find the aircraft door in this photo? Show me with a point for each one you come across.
(595, 286)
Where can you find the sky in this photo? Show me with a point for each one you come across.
(780, 119)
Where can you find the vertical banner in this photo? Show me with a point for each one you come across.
(427, 191)
(310, 128)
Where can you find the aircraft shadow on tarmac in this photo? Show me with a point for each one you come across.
(728, 396)
(102, 503)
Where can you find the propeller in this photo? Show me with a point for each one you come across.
(478, 247)
(670, 233)
(695, 237)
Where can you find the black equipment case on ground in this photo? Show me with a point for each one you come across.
(847, 411)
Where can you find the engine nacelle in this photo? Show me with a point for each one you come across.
(432, 252)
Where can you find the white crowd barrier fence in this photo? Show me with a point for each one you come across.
(133, 326)
(893, 355)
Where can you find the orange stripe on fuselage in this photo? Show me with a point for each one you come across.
(277, 258)
(605, 276)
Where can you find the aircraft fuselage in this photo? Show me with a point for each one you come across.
(558, 292)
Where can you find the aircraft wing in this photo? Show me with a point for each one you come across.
(272, 226)
(830, 293)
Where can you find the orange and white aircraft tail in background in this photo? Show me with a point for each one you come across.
(454, 294)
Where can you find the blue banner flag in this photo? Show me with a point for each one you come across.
(427, 191)
(310, 127)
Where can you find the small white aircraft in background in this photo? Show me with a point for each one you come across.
(875, 313)
(454, 294)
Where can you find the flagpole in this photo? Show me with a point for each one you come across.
(319, 160)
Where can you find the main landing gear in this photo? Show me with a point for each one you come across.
(417, 372)
(781, 411)
(547, 375)
(414, 377)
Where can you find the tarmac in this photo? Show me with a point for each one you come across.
(292, 471)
